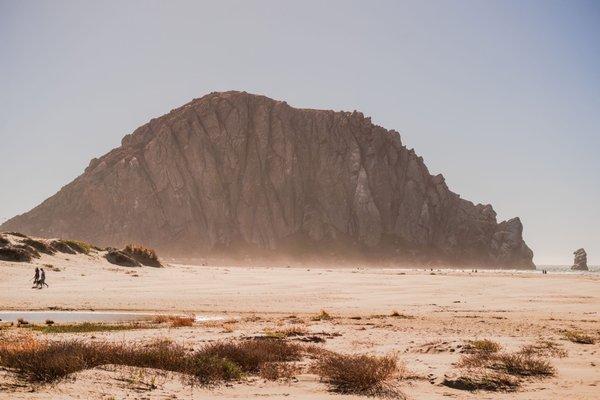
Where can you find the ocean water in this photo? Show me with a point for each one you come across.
(567, 269)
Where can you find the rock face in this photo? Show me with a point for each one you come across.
(580, 262)
(244, 175)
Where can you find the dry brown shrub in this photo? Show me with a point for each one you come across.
(579, 337)
(322, 316)
(277, 370)
(482, 346)
(250, 355)
(474, 380)
(359, 374)
(143, 255)
(544, 348)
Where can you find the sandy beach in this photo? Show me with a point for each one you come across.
(437, 313)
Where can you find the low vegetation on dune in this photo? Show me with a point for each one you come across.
(39, 245)
(11, 253)
(486, 368)
(359, 374)
(482, 346)
(176, 321)
(579, 337)
(83, 327)
(143, 255)
(49, 361)
(483, 380)
(78, 246)
(544, 348)
(322, 316)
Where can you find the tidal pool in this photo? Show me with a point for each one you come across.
(70, 317)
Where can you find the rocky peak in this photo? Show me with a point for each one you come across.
(580, 261)
(243, 175)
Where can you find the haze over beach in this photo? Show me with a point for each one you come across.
(242, 199)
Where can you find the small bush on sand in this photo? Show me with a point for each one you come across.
(12, 253)
(250, 355)
(175, 320)
(4, 241)
(40, 246)
(482, 346)
(322, 316)
(579, 337)
(358, 374)
(143, 255)
(274, 371)
(49, 322)
(396, 314)
(286, 332)
(78, 246)
(483, 380)
(523, 365)
(518, 364)
(17, 234)
(544, 348)
(178, 322)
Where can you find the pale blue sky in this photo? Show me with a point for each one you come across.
(503, 98)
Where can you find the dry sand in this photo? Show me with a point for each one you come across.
(449, 308)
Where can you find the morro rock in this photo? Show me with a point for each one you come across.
(241, 175)
(580, 261)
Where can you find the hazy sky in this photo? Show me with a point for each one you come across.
(503, 98)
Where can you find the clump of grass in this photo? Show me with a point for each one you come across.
(143, 255)
(40, 246)
(176, 321)
(251, 355)
(483, 346)
(286, 332)
(82, 328)
(18, 234)
(274, 371)
(521, 364)
(579, 337)
(483, 380)
(77, 245)
(544, 348)
(358, 374)
(54, 360)
(179, 322)
(322, 316)
(13, 253)
(396, 314)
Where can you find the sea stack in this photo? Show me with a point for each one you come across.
(240, 175)
(580, 262)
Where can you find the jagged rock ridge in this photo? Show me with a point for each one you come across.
(237, 173)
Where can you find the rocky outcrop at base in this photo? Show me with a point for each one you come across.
(580, 261)
(241, 175)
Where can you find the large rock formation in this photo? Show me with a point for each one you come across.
(580, 261)
(240, 174)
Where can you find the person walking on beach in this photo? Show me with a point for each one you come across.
(36, 277)
(42, 280)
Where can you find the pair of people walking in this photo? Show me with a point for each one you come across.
(39, 279)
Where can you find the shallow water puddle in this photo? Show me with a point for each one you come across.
(66, 317)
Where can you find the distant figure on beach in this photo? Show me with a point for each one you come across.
(36, 277)
(42, 280)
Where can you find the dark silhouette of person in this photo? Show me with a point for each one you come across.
(36, 277)
(42, 280)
